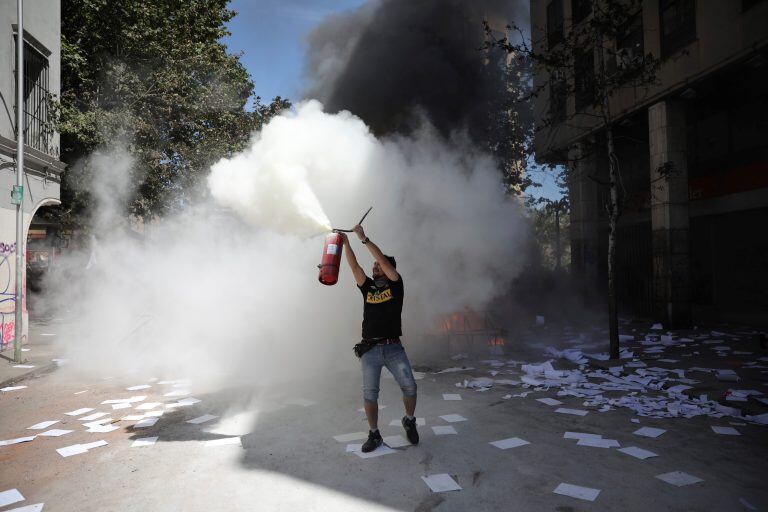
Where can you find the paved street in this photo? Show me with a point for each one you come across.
(287, 458)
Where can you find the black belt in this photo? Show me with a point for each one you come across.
(383, 341)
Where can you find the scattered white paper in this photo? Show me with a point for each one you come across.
(679, 479)
(575, 412)
(442, 430)
(396, 441)
(37, 507)
(146, 422)
(581, 435)
(576, 491)
(202, 419)
(42, 425)
(94, 444)
(357, 449)
(132, 417)
(637, 453)
(178, 392)
(123, 405)
(354, 436)
(10, 496)
(56, 432)
(549, 401)
(184, 402)
(223, 441)
(453, 418)
(451, 396)
(649, 432)
(78, 412)
(726, 431)
(441, 483)
(68, 451)
(148, 406)
(598, 442)
(144, 441)
(17, 440)
(12, 388)
(140, 386)
(512, 442)
(93, 416)
(102, 429)
(26, 366)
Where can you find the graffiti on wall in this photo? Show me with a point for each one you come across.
(7, 295)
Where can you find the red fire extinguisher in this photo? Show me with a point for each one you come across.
(329, 265)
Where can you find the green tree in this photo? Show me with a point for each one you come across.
(153, 76)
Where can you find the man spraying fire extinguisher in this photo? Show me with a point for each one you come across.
(381, 346)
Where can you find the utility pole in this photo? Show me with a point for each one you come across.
(18, 191)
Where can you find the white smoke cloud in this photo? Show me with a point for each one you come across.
(209, 297)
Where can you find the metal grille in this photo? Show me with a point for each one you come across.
(37, 130)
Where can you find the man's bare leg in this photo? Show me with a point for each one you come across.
(372, 413)
(410, 406)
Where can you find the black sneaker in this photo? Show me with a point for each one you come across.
(373, 442)
(410, 430)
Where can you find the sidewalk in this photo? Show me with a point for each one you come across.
(38, 353)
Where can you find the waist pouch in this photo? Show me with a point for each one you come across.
(366, 345)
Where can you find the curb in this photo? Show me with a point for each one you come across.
(41, 370)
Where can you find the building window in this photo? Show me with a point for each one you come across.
(629, 43)
(37, 127)
(555, 26)
(678, 24)
(580, 9)
(558, 96)
(584, 77)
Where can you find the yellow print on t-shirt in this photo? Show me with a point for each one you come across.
(378, 297)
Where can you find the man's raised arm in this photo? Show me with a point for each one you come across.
(384, 263)
(357, 270)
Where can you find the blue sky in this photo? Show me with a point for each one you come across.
(270, 34)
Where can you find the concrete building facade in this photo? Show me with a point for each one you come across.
(42, 72)
(693, 147)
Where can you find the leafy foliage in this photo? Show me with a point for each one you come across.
(154, 77)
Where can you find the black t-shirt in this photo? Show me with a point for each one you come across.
(382, 307)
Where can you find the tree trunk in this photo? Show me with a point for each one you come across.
(557, 239)
(613, 217)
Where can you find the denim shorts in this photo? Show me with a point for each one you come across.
(394, 358)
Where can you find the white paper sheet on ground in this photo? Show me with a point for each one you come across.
(140, 386)
(398, 423)
(178, 392)
(575, 412)
(95, 444)
(381, 450)
(124, 405)
(78, 412)
(153, 414)
(451, 396)
(637, 453)
(224, 441)
(581, 435)
(17, 440)
(577, 491)
(443, 430)
(202, 419)
(380, 408)
(144, 441)
(12, 388)
(453, 418)
(649, 432)
(454, 370)
(102, 429)
(56, 432)
(25, 349)
(42, 425)
(598, 443)
(512, 442)
(97, 423)
(81, 392)
(37, 507)
(116, 401)
(146, 422)
(25, 366)
(190, 400)
(10, 496)
(396, 441)
(549, 401)
(74, 449)
(139, 398)
(726, 431)
(133, 417)
(354, 436)
(148, 406)
(93, 416)
(303, 402)
(441, 483)
(679, 479)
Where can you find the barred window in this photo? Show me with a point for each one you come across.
(37, 130)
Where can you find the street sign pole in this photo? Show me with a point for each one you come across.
(18, 329)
